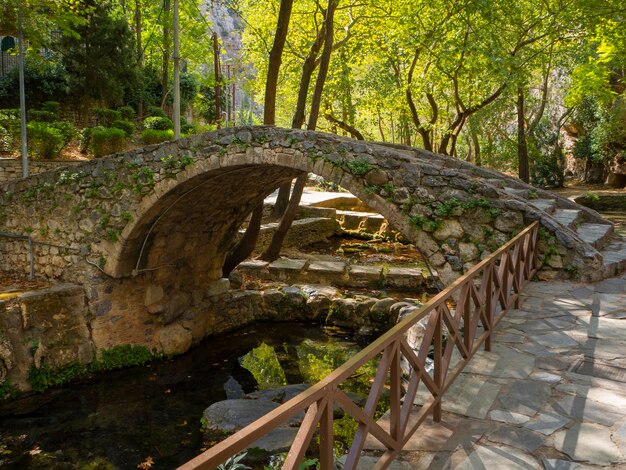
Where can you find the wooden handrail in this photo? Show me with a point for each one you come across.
(481, 296)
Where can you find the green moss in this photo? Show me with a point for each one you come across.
(43, 377)
(359, 167)
(6, 390)
(124, 355)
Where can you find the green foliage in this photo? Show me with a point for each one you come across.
(127, 113)
(84, 137)
(234, 463)
(359, 167)
(127, 126)
(155, 111)
(44, 140)
(67, 177)
(125, 355)
(53, 107)
(158, 123)
(106, 140)
(38, 115)
(99, 54)
(6, 390)
(424, 223)
(153, 136)
(43, 377)
(170, 163)
(44, 81)
(105, 117)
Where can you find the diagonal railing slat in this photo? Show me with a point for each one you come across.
(481, 296)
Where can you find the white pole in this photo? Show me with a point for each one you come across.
(176, 113)
(20, 41)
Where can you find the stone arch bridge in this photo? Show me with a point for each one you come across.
(145, 232)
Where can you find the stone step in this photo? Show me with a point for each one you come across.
(546, 205)
(339, 273)
(356, 220)
(302, 232)
(568, 217)
(595, 234)
(614, 258)
(523, 193)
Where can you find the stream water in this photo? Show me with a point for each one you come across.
(151, 414)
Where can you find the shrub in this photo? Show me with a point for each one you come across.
(127, 113)
(84, 136)
(155, 111)
(67, 130)
(52, 107)
(106, 140)
(186, 128)
(105, 117)
(127, 126)
(44, 140)
(158, 123)
(6, 140)
(41, 116)
(155, 136)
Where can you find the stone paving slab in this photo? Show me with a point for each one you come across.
(552, 409)
(468, 396)
(501, 457)
(589, 443)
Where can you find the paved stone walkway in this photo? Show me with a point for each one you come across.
(550, 395)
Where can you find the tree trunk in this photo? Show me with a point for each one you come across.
(354, 132)
(276, 57)
(216, 67)
(166, 52)
(139, 54)
(522, 148)
(273, 251)
(308, 67)
(316, 100)
(246, 245)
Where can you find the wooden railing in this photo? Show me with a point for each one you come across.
(481, 297)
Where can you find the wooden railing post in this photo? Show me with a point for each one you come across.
(327, 455)
(438, 364)
(396, 392)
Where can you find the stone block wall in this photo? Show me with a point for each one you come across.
(43, 329)
(11, 168)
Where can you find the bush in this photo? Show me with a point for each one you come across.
(127, 113)
(44, 140)
(155, 111)
(106, 140)
(6, 140)
(67, 130)
(41, 116)
(186, 128)
(155, 136)
(158, 123)
(48, 139)
(52, 107)
(85, 139)
(127, 126)
(9, 129)
(106, 117)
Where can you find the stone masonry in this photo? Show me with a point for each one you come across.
(145, 232)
